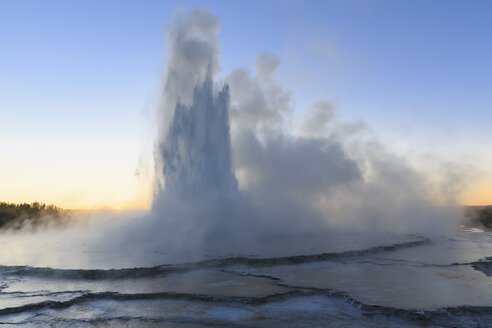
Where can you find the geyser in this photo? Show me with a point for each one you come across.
(240, 181)
(196, 154)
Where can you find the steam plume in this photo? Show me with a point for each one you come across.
(219, 187)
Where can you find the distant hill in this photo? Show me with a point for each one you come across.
(480, 215)
(32, 216)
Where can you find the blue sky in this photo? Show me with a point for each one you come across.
(75, 77)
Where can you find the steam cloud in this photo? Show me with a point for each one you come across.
(225, 182)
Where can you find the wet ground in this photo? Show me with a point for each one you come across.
(393, 281)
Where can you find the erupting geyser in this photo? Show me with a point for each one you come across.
(231, 174)
(199, 198)
(196, 153)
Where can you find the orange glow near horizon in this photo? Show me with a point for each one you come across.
(479, 194)
(73, 173)
(139, 203)
(90, 174)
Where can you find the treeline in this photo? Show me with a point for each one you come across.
(34, 215)
(481, 215)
